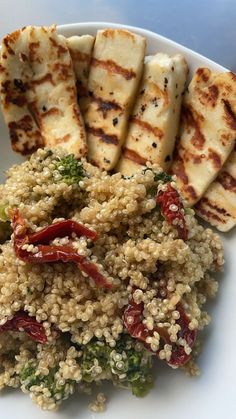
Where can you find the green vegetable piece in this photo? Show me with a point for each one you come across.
(28, 379)
(3, 215)
(70, 169)
(163, 177)
(95, 353)
(137, 365)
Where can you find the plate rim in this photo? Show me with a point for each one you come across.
(138, 29)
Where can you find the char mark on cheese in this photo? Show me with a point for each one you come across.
(14, 94)
(215, 158)
(208, 97)
(60, 49)
(25, 124)
(134, 156)
(51, 111)
(112, 67)
(106, 138)
(77, 55)
(33, 53)
(190, 118)
(46, 78)
(203, 74)
(148, 127)
(227, 181)
(209, 214)
(104, 106)
(229, 115)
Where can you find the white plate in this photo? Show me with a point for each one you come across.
(210, 396)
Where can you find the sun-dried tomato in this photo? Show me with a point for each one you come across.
(50, 253)
(22, 321)
(133, 316)
(171, 209)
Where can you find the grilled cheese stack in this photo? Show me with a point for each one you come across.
(116, 69)
(154, 122)
(207, 133)
(218, 204)
(38, 92)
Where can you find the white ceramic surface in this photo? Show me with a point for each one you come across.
(175, 396)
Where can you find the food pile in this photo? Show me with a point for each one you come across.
(103, 266)
(99, 275)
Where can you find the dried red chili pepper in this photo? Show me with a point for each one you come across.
(133, 322)
(62, 229)
(50, 253)
(166, 199)
(22, 320)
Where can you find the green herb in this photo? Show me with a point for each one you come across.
(28, 379)
(3, 214)
(162, 177)
(70, 169)
(124, 364)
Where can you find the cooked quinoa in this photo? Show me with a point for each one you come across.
(138, 252)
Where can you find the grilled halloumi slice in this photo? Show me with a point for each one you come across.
(38, 92)
(218, 204)
(80, 48)
(155, 118)
(116, 69)
(208, 132)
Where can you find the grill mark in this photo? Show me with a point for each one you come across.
(209, 214)
(146, 126)
(203, 74)
(112, 67)
(208, 97)
(105, 106)
(229, 116)
(80, 56)
(14, 94)
(12, 38)
(191, 191)
(60, 49)
(179, 169)
(65, 70)
(227, 181)
(46, 78)
(52, 111)
(33, 46)
(198, 139)
(134, 156)
(63, 139)
(233, 75)
(214, 206)
(110, 33)
(106, 138)
(215, 157)
(25, 124)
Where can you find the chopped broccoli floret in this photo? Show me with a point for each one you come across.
(57, 392)
(3, 214)
(125, 364)
(163, 177)
(137, 365)
(95, 358)
(70, 169)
